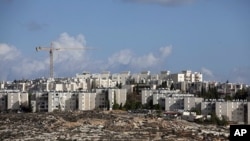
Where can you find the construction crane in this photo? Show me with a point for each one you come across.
(51, 50)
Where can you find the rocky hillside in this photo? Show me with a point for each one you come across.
(94, 125)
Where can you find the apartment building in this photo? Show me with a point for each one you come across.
(164, 75)
(156, 95)
(208, 106)
(124, 77)
(248, 113)
(79, 100)
(15, 99)
(118, 96)
(192, 102)
(154, 79)
(39, 102)
(177, 77)
(116, 78)
(63, 101)
(24, 97)
(101, 101)
(100, 98)
(159, 98)
(103, 80)
(56, 100)
(197, 77)
(232, 110)
(84, 75)
(186, 76)
(171, 100)
(146, 96)
(174, 103)
(135, 78)
(144, 77)
(87, 100)
(3, 101)
(2, 85)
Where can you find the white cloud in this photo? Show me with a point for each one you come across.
(133, 62)
(207, 72)
(14, 65)
(240, 74)
(71, 48)
(71, 57)
(28, 67)
(8, 52)
(68, 62)
(145, 61)
(123, 57)
(165, 51)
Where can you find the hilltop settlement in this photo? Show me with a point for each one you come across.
(124, 106)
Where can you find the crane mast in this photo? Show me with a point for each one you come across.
(51, 50)
(51, 71)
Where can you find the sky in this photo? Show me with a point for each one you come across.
(207, 36)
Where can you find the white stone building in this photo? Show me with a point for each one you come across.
(174, 103)
(178, 77)
(13, 99)
(186, 76)
(62, 101)
(87, 101)
(208, 107)
(124, 76)
(116, 78)
(39, 102)
(146, 96)
(192, 102)
(144, 77)
(101, 101)
(118, 96)
(232, 110)
(84, 75)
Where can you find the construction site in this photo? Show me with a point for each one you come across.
(103, 125)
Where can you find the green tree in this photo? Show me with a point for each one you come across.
(172, 87)
(241, 94)
(115, 105)
(107, 104)
(157, 107)
(228, 97)
(196, 110)
(121, 107)
(164, 84)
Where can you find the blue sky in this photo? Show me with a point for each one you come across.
(208, 36)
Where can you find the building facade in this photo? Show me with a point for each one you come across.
(87, 101)
(118, 96)
(232, 110)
